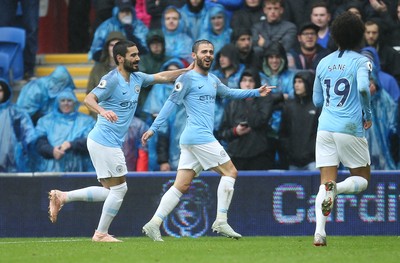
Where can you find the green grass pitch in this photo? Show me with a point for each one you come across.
(371, 249)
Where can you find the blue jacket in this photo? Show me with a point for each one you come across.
(224, 37)
(17, 133)
(154, 102)
(194, 23)
(55, 128)
(388, 82)
(38, 96)
(177, 43)
(113, 24)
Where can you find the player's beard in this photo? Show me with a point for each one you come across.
(201, 65)
(129, 67)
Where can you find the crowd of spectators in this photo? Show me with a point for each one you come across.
(274, 42)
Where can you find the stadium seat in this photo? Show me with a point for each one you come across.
(12, 43)
(4, 66)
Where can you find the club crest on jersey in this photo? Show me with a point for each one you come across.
(178, 86)
(369, 66)
(137, 88)
(102, 84)
(215, 85)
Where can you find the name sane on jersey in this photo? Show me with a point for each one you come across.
(340, 67)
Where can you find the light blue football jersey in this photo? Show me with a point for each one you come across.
(114, 93)
(197, 92)
(341, 87)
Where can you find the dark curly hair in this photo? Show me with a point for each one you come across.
(347, 31)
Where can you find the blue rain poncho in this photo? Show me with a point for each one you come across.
(38, 96)
(17, 134)
(57, 127)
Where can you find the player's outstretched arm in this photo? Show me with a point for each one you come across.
(171, 75)
(264, 90)
(146, 136)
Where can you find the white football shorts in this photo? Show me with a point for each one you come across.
(202, 156)
(107, 161)
(332, 148)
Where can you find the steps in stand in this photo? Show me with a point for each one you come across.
(77, 65)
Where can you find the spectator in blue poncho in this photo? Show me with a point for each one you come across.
(62, 136)
(154, 102)
(194, 15)
(228, 69)
(218, 30)
(382, 137)
(38, 96)
(123, 20)
(275, 72)
(16, 132)
(388, 82)
(177, 42)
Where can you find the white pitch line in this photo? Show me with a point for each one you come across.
(43, 241)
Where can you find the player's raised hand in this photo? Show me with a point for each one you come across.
(146, 136)
(265, 90)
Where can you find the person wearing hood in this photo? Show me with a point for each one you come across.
(388, 82)
(244, 127)
(151, 62)
(228, 69)
(161, 155)
(298, 130)
(17, 134)
(62, 136)
(123, 20)
(218, 30)
(106, 62)
(176, 40)
(38, 96)
(275, 72)
(383, 140)
(194, 16)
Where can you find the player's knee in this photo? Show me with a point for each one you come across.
(183, 188)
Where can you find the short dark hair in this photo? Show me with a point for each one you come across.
(237, 33)
(197, 43)
(121, 48)
(347, 31)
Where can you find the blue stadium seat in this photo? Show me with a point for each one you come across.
(12, 43)
(4, 66)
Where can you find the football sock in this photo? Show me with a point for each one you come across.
(88, 194)
(168, 202)
(111, 206)
(352, 185)
(224, 195)
(320, 218)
